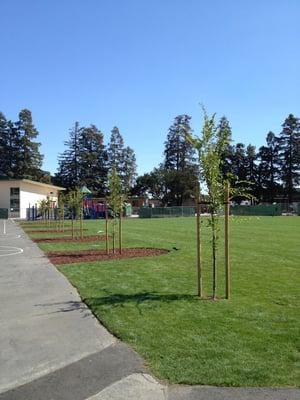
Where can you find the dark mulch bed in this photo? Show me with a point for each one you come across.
(54, 230)
(91, 238)
(58, 257)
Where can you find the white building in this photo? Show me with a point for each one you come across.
(17, 195)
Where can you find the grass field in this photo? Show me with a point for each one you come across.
(150, 303)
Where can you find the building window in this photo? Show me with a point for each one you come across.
(15, 199)
(15, 192)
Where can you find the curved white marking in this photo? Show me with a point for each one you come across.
(10, 251)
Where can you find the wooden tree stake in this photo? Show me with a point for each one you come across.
(106, 229)
(81, 224)
(198, 230)
(227, 261)
(120, 228)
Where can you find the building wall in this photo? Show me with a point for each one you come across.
(4, 194)
(30, 195)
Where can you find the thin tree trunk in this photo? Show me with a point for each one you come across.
(114, 237)
(72, 226)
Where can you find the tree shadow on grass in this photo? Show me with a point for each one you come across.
(119, 299)
(115, 299)
(65, 307)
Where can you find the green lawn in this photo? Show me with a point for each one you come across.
(150, 303)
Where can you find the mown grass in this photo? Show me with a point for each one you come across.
(150, 303)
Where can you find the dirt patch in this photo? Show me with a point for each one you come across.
(52, 230)
(92, 238)
(58, 257)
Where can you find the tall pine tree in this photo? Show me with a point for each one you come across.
(289, 154)
(19, 152)
(29, 158)
(268, 157)
(227, 164)
(4, 134)
(181, 169)
(68, 161)
(84, 162)
(122, 158)
(92, 160)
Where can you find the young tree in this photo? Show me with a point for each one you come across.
(75, 203)
(115, 202)
(210, 147)
(289, 155)
(62, 200)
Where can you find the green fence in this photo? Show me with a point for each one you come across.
(3, 213)
(260, 210)
(163, 212)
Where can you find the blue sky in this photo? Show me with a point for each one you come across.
(138, 63)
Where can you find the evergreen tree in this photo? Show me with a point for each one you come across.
(289, 155)
(19, 152)
(268, 169)
(12, 158)
(240, 162)
(28, 157)
(128, 174)
(181, 170)
(251, 169)
(84, 162)
(122, 158)
(115, 151)
(227, 161)
(92, 160)
(68, 161)
(3, 144)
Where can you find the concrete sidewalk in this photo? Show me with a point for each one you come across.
(52, 348)
(44, 325)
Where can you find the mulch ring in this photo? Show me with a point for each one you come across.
(52, 230)
(58, 257)
(91, 238)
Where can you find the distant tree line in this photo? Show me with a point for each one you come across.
(273, 170)
(85, 161)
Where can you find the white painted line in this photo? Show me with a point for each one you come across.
(9, 235)
(10, 251)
